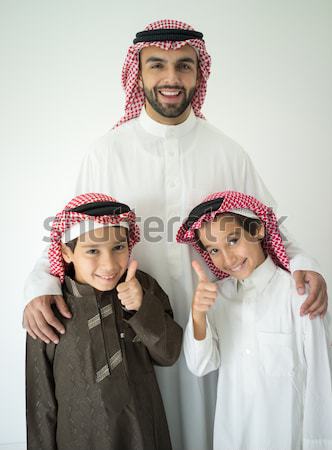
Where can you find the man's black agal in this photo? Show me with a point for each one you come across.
(202, 209)
(167, 34)
(101, 209)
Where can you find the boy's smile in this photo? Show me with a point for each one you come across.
(100, 257)
(232, 249)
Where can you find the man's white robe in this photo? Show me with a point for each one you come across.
(163, 171)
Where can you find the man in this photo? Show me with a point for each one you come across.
(163, 158)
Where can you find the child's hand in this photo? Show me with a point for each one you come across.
(205, 294)
(130, 292)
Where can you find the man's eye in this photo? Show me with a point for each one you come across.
(156, 66)
(184, 66)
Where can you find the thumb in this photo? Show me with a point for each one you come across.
(299, 277)
(62, 306)
(131, 272)
(199, 271)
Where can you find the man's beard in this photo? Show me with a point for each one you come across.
(169, 110)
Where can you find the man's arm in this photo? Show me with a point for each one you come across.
(317, 417)
(304, 268)
(41, 290)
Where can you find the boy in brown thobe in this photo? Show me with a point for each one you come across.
(96, 389)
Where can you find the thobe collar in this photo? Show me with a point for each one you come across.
(167, 131)
(260, 277)
(78, 289)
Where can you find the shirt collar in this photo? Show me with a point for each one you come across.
(77, 289)
(167, 131)
(260, 277)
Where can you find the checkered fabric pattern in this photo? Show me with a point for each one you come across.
(272, 242)
(134, 95)
(66, 219)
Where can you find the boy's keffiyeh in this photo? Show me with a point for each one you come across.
(235, 202)
(100, 209)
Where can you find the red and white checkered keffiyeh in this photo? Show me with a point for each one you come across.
(66, 219)
(272, 243)
(130, 72)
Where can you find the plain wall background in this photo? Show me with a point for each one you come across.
(270, 90)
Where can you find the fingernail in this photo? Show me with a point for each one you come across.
(47, 341)
(62, 331)
(56, 341)
(301, 290)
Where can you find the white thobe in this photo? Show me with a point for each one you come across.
(163, 171)
(274, 383)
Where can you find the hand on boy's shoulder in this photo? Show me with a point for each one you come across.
(40, 321)
(130, 291)
(316, 301)
(206, 291)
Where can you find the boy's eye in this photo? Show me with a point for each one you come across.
(213, 251)
(92, 251)
(232, 241)
(120, 247)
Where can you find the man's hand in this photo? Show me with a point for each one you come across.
(130, 292)
(38, 318)
(316, 302)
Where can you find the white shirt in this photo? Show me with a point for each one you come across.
(163, 171)
(274, 384)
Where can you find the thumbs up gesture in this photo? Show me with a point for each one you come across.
(130, 292)
(205, 294)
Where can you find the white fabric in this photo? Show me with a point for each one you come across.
(274, 384)
(87, 225)
(163, 171)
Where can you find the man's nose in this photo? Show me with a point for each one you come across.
(171, 76)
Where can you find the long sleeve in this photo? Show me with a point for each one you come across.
(153, 323)
(317, 421)
(201, 356)
(40, 281)
(253, 185)
(41, 405)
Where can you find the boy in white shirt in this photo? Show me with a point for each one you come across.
(274, 386)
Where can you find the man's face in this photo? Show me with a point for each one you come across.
(100, 257)
(169, 79)
(232, 249)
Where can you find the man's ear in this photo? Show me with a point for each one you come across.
(67, 253)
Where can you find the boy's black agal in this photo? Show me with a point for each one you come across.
(101, 209)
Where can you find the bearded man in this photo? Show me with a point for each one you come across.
(162, 157)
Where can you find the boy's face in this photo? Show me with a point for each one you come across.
(232, 249)
(100, 257)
